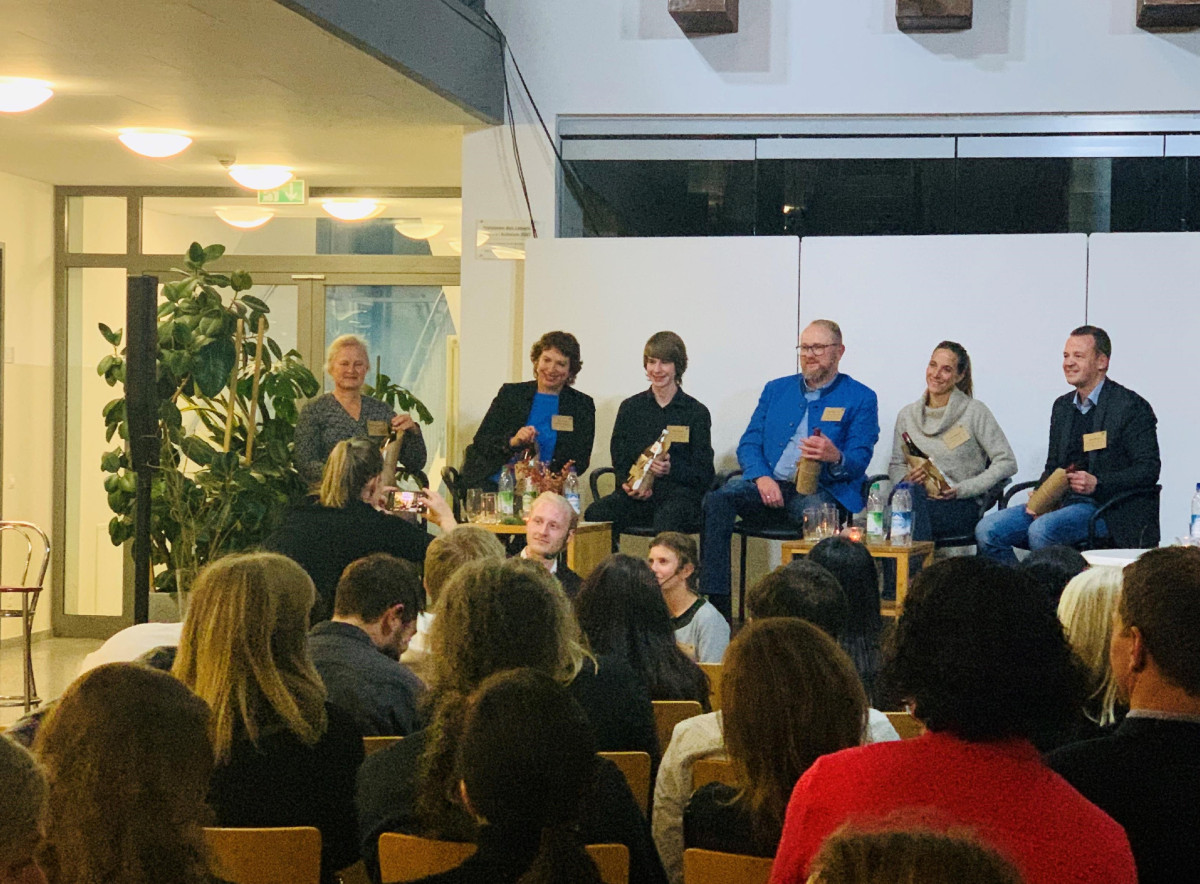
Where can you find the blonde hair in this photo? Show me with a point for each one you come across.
(908, 855)
(1086, 613)
(350, 466)
(341, 342)
(244, 650)
(448, 552)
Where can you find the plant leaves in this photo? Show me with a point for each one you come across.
(212, 365)
(256, 303)
(213, 252)
(195, 254)
(113, 337)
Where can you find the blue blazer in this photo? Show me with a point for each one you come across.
(780, 409)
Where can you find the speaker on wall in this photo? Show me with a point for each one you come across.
(141, 378)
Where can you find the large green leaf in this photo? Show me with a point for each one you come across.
(212, 365)
(195, 254)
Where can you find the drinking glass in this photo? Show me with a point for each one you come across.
(487, 509)
(829, 520)
(474, 504)
(812, 522)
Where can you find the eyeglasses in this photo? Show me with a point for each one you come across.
(813, 349)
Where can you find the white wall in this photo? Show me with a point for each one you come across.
(26, 229)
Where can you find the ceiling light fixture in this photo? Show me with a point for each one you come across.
(19, 94)
(155, 143)
(455, 245)
(244, 217)
(260, 177)
(352, 209)
(415, 228)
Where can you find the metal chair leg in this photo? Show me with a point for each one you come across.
(742, 582)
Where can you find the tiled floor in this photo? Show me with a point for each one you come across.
(55, 665)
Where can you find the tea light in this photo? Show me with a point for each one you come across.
(855, 533)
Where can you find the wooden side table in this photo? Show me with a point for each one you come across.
(587, 548)
(903, 556)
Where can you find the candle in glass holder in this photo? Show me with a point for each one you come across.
(855, 533)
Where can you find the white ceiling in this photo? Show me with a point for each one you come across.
(247, 79)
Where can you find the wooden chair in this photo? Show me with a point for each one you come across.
(712, 770)
(906, 726)
(713, 671)
(636, 768)
(711, 867)
(265, 856)
(374, 744)
(668, 713)
(405, 858)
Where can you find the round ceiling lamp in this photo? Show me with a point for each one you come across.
(260, 177)
(415, 228)
(19, 94)
(244, 217)
(155, 143)
(352, 209)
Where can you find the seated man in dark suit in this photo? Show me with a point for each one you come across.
(1109, 434)
(357, 653)
(1146, 775)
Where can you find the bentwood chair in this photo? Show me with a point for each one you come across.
(35, 540)
(635, 766)
(265, 856)
(668, 713)
(405, 858)
(712, 867)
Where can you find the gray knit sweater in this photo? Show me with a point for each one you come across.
(973, 466)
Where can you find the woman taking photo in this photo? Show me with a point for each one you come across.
(547, 416)
(284, 757)
(346, 412)
(962, 438)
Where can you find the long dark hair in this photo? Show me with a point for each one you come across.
(526, 756)
(854, 569)
(964, 364)
(622, 612)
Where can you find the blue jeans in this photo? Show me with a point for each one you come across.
(741, 498)
(997, 533)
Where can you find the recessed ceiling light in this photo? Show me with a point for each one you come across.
(415, 228)
(19, 94)
(244, 217)
(260, 177)
(156, 143)
(352, 209)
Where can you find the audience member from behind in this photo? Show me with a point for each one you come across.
(801, 590)
(622, 613)
(1052, 567)
(1086, 612)
(284, 757)
(983, 663)
(904, 856)
(128, 761)
(700, 629)
(343, 523)
(524, 763)
(357, 652)
(548, 528)
(23, 818)
(494, 616)
(855, 571)
(445, 555)
(1147, 773)
(789, 694)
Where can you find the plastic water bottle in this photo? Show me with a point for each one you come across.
(528, 496)
(1196, 512)
(504, 492)
(875, 528)
(571, 489)
(902, 516)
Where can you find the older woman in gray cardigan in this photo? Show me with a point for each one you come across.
(960, 435)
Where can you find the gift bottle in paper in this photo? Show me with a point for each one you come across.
(808, 472)
(640, 477)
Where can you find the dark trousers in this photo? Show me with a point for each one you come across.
(935, 519)
(669, 508)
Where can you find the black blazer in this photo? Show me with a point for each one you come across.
(509, 411)
(1130, 461)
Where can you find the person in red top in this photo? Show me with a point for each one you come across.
(981, 660)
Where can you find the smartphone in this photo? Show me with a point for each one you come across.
(407, 502)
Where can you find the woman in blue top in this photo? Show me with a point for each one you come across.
(546, 414)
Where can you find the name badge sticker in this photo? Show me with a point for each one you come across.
(1095, 441)
(679, 434)
(956, 436)
(833, 415)
(377, 428)
(562, 423)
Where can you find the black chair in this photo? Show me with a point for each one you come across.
(452, 479)
(633, 530)
(987, 500)
(1092, 541)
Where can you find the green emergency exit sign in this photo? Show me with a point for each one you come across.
(294, 193)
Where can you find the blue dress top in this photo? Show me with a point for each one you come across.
(545, 407)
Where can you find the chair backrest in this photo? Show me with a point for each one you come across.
(594, 480)
(452, 479)
(712, 770)
(906, 726)
(711, 867)
(713, 671)
(374, 744)
(405, 858)
(636, 768)
(265, 856)
(35, 540)
(668, 713)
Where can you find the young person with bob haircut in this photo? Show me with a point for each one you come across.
(854, 568)
(284, 756)
(981, 660)
(700, 629)
(1086, 611)
(684, 472)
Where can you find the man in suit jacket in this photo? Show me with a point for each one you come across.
(1146, 775)
(1109, 435)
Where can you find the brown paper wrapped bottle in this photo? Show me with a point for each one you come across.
(1049, 494)
(640, 477)
(808, 472)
